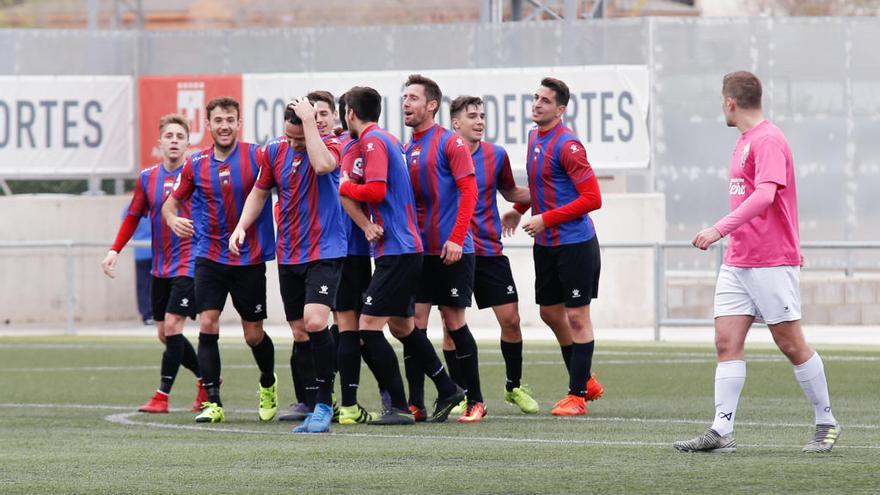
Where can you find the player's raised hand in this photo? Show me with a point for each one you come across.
(450, 253)
(109, 263)
(236, 240)
(509, 223)
(183, 227)
(706, 238)
(534, 225)
(373, 232)
(303, 109)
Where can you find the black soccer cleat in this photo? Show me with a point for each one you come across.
(443, 405)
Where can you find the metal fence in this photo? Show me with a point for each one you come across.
(660, 252)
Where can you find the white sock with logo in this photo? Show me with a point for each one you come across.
(730, 376)
(811, 376)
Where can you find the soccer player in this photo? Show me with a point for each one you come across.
(219, 179)
(493, 280)
(442, 175)
(303, 165)
(397, 250)
(171, 289)
(563, 190)
(759, 280)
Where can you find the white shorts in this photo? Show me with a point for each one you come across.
(770, 294)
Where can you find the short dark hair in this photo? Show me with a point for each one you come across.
(365, 102)
(744, 87)
(325, 96)
(342, 108)
(432, 89)
(559, 87)
(461, 103)
(225, 102)
(174, 118)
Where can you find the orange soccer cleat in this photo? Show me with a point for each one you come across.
(474, 413)
(594, 388)
(571, 405)
(157, 404)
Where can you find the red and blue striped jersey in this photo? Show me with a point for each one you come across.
(219, 190)
(172, 255)
(492, 167)
(309, 215)
(353, 165)
(384, 161)
(556, 163)
(437, 158)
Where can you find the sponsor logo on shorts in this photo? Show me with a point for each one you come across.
(510, 289)
(323, 290)
(453, 292)
(575, 293)
(184, 303)
(258, 308)
(369, 301)
(785, 309)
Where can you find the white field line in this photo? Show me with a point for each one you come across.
(125, 420)
(512, 417)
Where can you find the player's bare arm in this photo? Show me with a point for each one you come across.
(320, 158)
(183, 227)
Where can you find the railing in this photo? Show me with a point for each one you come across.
(659, 250)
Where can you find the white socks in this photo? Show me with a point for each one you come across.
(730, 376)
(811, 376)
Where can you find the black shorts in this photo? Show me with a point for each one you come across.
(356, 274)
(246, 284)
(493, 282)
(392, 291)
(314, 282)
(172, 295)
(444, 285)
(567, 273)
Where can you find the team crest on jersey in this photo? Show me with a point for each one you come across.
(225, 175)
(176, 182)
(414, 156)
(745, 154)
(297, 161)
(169, 184)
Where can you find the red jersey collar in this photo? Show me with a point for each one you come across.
(418, 135)
(543, 134)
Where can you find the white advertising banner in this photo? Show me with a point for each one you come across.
(65, 125)
(608, 108)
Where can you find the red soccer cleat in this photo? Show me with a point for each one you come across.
(201, 397)
(419, 413)
(571, 405)
(594, 388)
(157, 404)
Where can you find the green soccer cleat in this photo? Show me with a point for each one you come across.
(211, 413)
(824, 439)
(522, 397)
(710, 441)
(269, 401)
(459, 409)
(350, 415)
(393, 417)
(335, 408)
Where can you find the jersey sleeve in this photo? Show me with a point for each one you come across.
(185, 183)
(375, 160)
(139, 205)
(505, 175)
(334, 146)
(352, 161)
(769, 162)
(266, 175)
(461, 163)
(573, 158)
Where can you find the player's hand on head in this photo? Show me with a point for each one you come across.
(706, 238)
(534, 225)
(450, 253)
(303, 108)
(183, 227)
(109, 263)
(509, 223)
